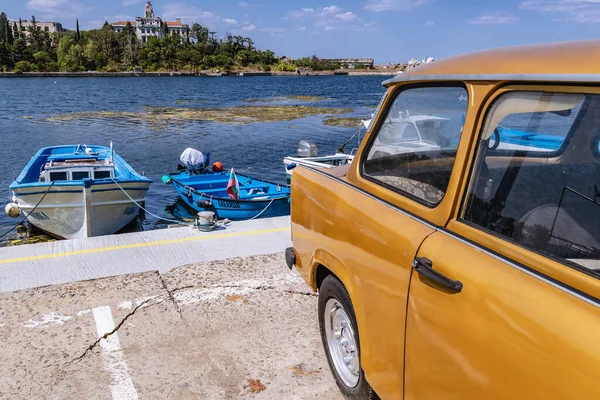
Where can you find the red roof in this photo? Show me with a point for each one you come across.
(123, 23)
(177, 23)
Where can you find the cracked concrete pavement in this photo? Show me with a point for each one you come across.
(202, 331)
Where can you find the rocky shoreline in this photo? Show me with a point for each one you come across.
(90, 74)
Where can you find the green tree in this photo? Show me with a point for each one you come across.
(130, 46)
(199, 33)
(77, 33)
(35, 37)
(151, 54)
(71, 56)
(9, 34)
(4, 28)
(43, 61)
(23, 66)
(5, 56)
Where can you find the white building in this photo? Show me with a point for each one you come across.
(50, 27)
(150, 25)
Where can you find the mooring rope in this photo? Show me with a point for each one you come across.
(30, 212)
(140, 206)
(265, 209)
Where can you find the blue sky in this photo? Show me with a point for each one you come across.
(387, 30)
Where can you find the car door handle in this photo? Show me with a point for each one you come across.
(424, 268)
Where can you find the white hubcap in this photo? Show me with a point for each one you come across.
(341, 343)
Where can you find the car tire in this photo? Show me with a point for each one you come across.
(339, 333)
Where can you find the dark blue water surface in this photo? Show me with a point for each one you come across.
(256, 149)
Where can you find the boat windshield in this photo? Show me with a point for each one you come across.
(398, 131)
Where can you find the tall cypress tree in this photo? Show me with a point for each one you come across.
(3, 28)
(77, 33)
(9, 34)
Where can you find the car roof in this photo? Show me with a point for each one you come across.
(577, 61)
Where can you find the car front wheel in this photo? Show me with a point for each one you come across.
(339, 334)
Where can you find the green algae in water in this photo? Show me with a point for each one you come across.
(350, 122)
(159, 117)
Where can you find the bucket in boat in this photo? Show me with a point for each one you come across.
(205, 217)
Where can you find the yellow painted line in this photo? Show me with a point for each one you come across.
(147, 244)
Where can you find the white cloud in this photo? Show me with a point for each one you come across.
(494, 18)
(331, 10)
(300, 28)
(189, 14)
(429, 23)
(128, 3)
(582, 11)
(230, 21)
(347, 16)
(393, 5)
(249, 28)
(57, 8)
(330, 18)
(273, 31)
(244, 4)
(302, 12)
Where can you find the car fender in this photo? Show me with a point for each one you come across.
(337, 268)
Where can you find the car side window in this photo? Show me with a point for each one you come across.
(414, 148)
(536, 180)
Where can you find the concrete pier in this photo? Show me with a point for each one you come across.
(43, 264)
(125, 323)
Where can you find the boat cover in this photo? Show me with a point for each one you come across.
(192, 159)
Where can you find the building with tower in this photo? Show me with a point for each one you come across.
(152, 26)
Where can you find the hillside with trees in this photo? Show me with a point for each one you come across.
(30, 49)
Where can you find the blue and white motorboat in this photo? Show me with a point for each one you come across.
(308, 154)
(78, 191)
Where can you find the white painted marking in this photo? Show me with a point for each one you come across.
(125, 305)
(121, 386)
(48, 319)
(83, 312)
(241, 287)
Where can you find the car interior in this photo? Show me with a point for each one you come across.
(548, 202)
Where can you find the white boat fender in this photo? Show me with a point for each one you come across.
(12, 210)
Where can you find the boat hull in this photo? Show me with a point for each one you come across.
(275, 203)
(316, 162)
(74, 212)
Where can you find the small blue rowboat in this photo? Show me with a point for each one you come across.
(208, 192)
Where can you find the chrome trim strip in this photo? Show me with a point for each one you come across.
(534, 274)
(380, 200)
(578, 78)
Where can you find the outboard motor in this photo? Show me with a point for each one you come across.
(307, 148)
(193, 161)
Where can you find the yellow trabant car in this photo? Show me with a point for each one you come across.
(463, 262)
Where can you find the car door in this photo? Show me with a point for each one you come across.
(503, 303)
(405, 184)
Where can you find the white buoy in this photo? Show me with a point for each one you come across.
(12, 210)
